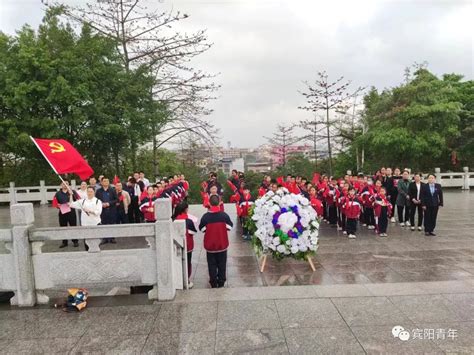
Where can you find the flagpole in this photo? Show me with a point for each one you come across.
(52, 167)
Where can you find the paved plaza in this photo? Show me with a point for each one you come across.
(360, 291)
(331, 319)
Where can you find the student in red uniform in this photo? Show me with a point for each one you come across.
(340, 202)
(265, 186)
(181, 213)
(368, 195)
(215, 225)
(352, 208)
(383, 210)
(322, 186)
(330, 196)
(245, 202)
(315, 201)
(147, 205)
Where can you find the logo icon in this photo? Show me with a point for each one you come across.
(400, 333)
(57, 147)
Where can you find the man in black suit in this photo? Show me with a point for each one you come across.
(431, 200)
(414, 191)
(109, 199)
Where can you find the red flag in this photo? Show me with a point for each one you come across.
(63, 157)
(55, 202)
(116, 179)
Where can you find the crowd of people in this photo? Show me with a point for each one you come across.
(371, 201)
(103, 202)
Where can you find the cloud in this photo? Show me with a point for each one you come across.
(265, 49)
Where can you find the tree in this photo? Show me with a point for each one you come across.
(328, 97)
(59, 83)
(281, 141)
(350, 126)
(145, 38)
(421, 123)
(297, 164)
(313, 129)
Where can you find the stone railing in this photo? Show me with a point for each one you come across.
(41, 193)
(29, 272)
(464, 179)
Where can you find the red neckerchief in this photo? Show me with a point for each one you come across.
(247, 198)
(182, 216)
(384, 199)
(150, 202)
(351, 200)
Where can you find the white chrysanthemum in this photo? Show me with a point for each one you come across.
(281, 248)
(287, 221)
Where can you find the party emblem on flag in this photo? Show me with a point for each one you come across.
(63, 157)
(57, 147)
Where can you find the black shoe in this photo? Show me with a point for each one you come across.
(432, 234)
(112, 241)
(103, 241)
(427, 234)
(76, 244)
(63, 245)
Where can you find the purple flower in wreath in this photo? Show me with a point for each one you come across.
(275, 218)
(299, 227)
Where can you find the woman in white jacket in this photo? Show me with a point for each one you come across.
(91, 208)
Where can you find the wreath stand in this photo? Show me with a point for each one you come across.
(263, 262)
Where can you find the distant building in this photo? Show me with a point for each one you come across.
(277, 153)
(262, 167)
(226, 165)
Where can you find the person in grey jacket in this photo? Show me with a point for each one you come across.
(403, 200)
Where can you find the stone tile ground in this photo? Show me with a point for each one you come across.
(361, 289)
(252, 320)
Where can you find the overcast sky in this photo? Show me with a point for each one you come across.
(263, 50)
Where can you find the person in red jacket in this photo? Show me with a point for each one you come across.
(181, 213)
(315, 201)
(322, 186)
(147, 205)
(245, 202)
(344, 191)
(215, 225)
(330, 196)
(352, 208)
(383, 211)
(368, 196)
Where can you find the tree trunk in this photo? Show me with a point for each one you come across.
(357, 159)
(315, 147)
(329, 135)
(155, 154)
(117, 162)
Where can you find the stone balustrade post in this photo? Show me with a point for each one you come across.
(466, 180)
(73, 184)
(22, 218)
(349, 172)
(43, 193)
(438, 175)
(12, 193)
(166, 288)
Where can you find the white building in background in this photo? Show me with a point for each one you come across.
(260, 167)
(226, 165)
